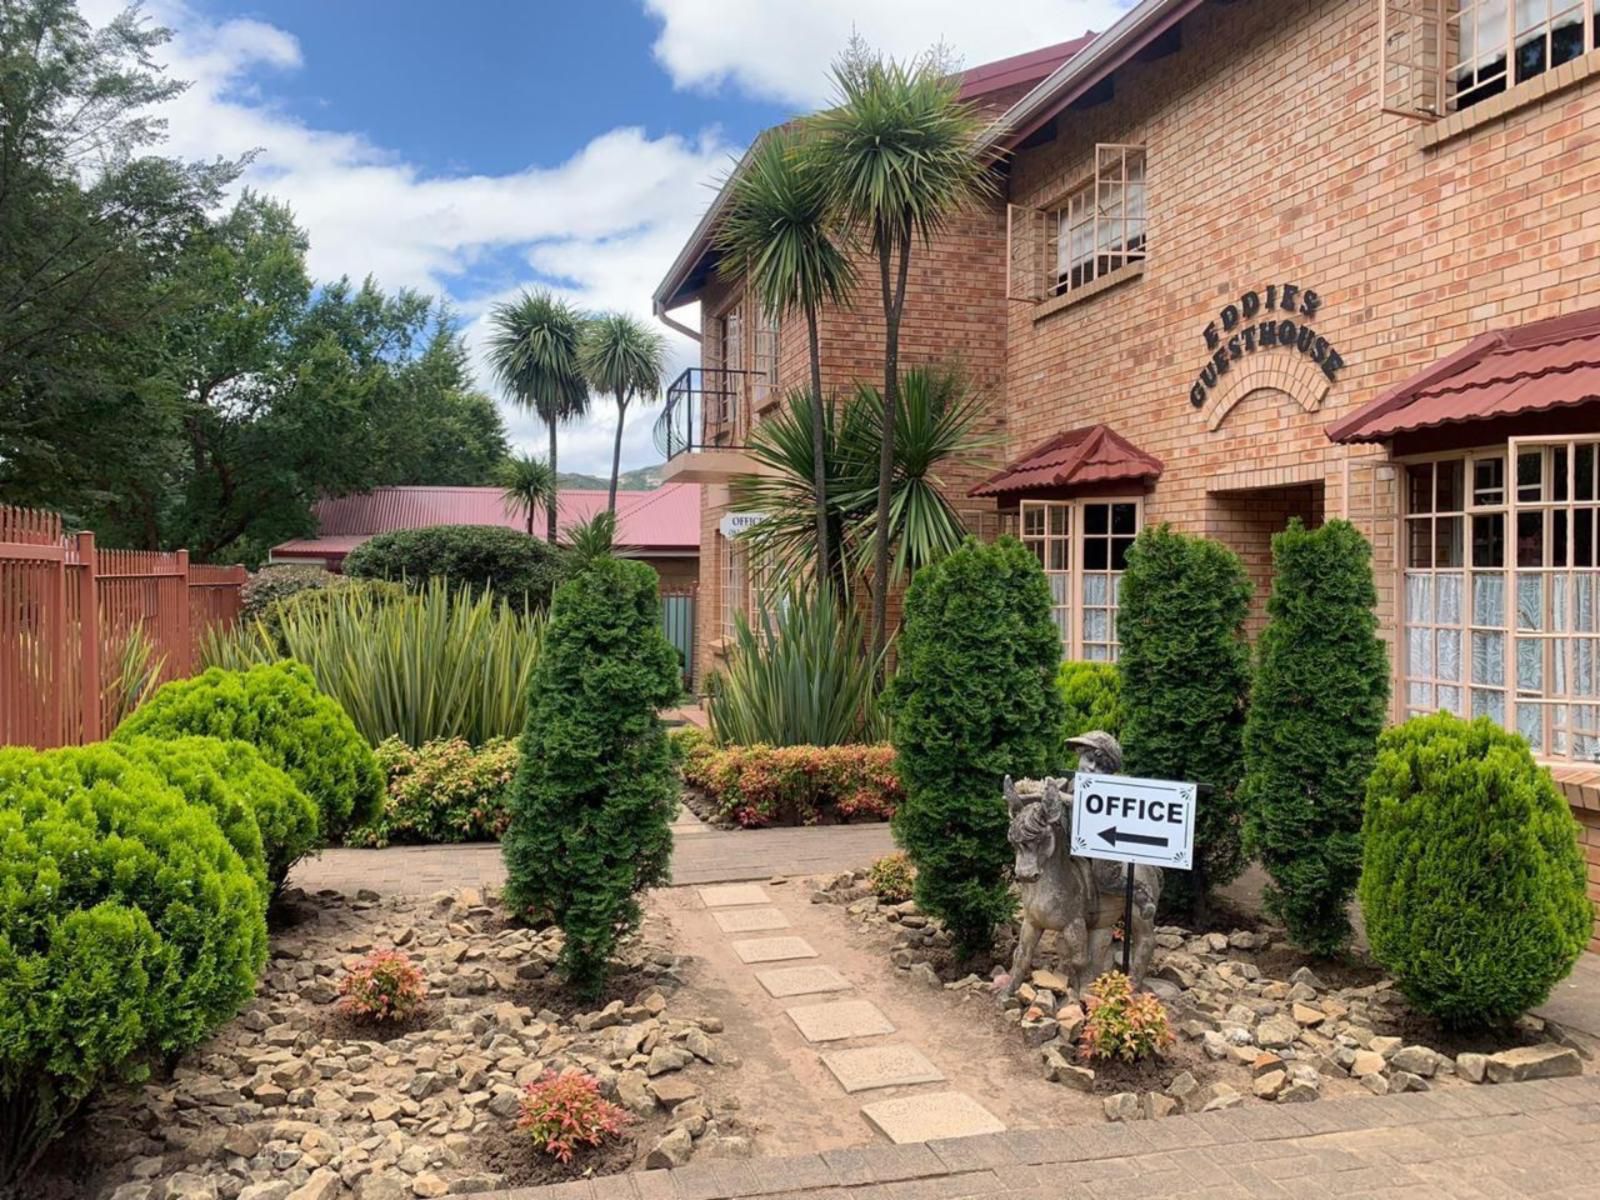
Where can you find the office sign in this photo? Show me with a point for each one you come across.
(736, 523)
(1130, 820)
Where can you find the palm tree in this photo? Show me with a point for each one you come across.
(529, 483)
(940, 415)
(621, 357)
(777, 235)
(533, 349)
(897, 156)
(591, 540)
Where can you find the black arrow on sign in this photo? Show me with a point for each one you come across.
(1139, 839)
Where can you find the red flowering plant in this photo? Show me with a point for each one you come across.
(756, 786)
(562, 1112)
(385, 986)
(1122, 1023)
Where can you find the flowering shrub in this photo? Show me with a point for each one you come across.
(563, 1111)
(386, 986)
(756, 786)
(1122, 1024)
(444, 791)
(891, 877)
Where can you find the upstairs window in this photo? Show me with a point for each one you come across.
(1093, 231)
(730, 352)
(764, 383)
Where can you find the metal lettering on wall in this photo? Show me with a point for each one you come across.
(1254, 323)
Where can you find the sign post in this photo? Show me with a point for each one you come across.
(1133, 821)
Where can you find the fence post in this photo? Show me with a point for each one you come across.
(91, 685)
(185, 641)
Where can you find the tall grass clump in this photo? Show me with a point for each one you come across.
(799, 677)
(444, 663)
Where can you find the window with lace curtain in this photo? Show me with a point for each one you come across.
(1083, 546)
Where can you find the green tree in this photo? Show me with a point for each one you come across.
(1473, 884)
(1092, 695)
(897, 158)
(596, 788)
(974, 700)
(440, 430)
(533, 349)
(1185, 669)
(778, 235)
(623, 358)
(1320, 698)
(528, 483)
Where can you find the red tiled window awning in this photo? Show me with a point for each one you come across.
(1530, 368)
(1080, 457)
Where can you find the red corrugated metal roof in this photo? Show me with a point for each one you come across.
(1027, 67)
(1096, 454)
(1547, 364)
(665, 520)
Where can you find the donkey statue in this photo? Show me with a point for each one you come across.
(1080, 897)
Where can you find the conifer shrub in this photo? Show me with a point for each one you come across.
(522, 570)
(1185, 670)
(974, 699)
(1091, 693)
(129, 930)
(268, 820)
(277, 708)
(892, 878)
(1318, 703)
(1473, 884)
(596, 787)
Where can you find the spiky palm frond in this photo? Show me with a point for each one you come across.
(533, 351)
(592, 539)
(528, 483)
(622, 357)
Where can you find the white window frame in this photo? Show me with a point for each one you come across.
(764, 383)
(1484, 38)
(1100, 226)
(1056, 531)
(735, 587)
(1527, 634)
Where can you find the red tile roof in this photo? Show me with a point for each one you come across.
(1547, 364)
(663, 521)
(1097, 454)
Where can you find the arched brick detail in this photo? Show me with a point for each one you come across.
(1281, 371)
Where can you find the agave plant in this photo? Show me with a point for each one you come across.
(798, 677)
(436, 664)
(134, 672)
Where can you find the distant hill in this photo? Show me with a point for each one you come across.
(642, 479)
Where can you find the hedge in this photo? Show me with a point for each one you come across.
(756, 786)
(444, 791)
(277, 708)
(129, 929)
(522, 569)
(1091, 693)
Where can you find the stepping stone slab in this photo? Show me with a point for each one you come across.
(840, 1019)
(732, 895)
(880, 1066)
(760, 950)
(802, 981)
(930, 1116)
(749, 920)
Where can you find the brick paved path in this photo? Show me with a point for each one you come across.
(700, 855)
(1527, 1139)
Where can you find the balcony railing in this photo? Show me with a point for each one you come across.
(708, 408)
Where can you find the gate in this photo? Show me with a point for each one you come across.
(677, 619)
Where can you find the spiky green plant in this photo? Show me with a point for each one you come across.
(623, 358)
(528, 483)
(437, 664)
(135, 672)
(591, 539)
(799, 677)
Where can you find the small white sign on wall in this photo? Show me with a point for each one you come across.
(735, 523)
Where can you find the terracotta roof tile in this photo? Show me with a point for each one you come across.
(1096, 454)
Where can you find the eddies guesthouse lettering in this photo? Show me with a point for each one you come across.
(1256, 322)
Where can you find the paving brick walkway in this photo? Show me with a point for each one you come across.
(1528, 1139)
(700, 855)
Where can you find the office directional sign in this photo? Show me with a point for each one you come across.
(1133, 820)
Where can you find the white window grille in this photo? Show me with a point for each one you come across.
(1083, 546)
(764, 383)
(1096, 229)
(735, 589)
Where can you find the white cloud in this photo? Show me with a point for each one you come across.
(604, 224)
(781, 50)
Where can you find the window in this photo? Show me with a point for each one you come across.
(1501, 43)
(1100, 228)
(730, 353)
(735, 592)
(1083, 547)
(1501, 579)
(764, 383)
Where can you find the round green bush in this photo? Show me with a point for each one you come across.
(277, 708)
(269, 820)
(129, 929)
(278, 582)
(1473, 886)
(1091, 692)
(522, 569)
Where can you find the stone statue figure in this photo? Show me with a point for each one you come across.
(1080, 897)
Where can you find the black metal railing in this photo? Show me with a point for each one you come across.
(707, 407)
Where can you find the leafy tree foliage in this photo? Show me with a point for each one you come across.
(974, 700)
(596, 788)
(1473, 884)
(1185, 670)
(1319, 702)
(1092, 695)
(521, 569)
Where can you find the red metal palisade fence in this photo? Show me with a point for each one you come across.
(68, 611)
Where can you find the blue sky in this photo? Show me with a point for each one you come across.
(472, 148)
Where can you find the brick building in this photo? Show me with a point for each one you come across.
(1271, 258)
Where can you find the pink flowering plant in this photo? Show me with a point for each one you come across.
(1122, 1023)
(563, 1112)
(386, 986)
